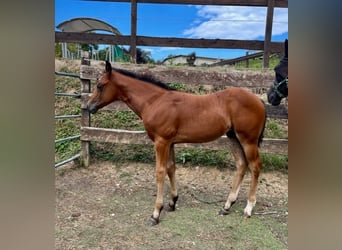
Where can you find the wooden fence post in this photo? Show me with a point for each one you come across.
(268, 33)
(134, 30)
(247, 61)
(85, 119)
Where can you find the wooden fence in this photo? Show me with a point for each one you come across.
(133, 40)
(257, 81)
(245, 58)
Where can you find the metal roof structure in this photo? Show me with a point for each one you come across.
(86, 24)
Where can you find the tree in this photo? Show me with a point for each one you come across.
(72, 48)
(58, 50)
(191, 59)
(89, 47)
(143, 56)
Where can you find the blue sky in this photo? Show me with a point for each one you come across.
(185, 21)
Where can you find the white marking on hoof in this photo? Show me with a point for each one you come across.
(232, 197)
(156, 214)
(229, 204)
(249, 208)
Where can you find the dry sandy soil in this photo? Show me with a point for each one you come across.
(107, 206)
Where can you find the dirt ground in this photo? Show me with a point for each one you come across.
(107, 206)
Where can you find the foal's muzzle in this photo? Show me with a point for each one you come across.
(92, 108)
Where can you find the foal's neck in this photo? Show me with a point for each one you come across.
(137, 94)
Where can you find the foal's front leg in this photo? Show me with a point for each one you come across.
(162, 152)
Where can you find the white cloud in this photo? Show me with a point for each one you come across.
(235, 22)
(169, 48)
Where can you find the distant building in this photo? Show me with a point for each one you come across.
(182, 60)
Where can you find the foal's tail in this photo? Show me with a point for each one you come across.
(261, 136)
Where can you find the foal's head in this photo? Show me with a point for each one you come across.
(279, 88)
(105, 92)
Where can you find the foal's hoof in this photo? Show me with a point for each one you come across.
(223, 212)
(246, 215)
(152, 222)
(170, 208)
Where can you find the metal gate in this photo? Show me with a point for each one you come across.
(66, 116)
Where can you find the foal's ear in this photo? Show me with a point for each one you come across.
(108, 67)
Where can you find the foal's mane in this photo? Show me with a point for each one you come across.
(147, 79)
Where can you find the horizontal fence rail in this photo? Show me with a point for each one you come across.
(67, 116)
(238, 59)
(67, 160)
(67, 74)
(68, 95)
(275, 146)
(67, 138)
(93, 38)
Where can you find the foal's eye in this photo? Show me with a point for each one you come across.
(99, 86)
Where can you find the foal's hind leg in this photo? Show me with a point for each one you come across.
(241, 165)
(171, 172)
(253, 157)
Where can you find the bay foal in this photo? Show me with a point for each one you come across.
(172, 117)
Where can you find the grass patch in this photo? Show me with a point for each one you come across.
(123, 153)
(203, 157)
(178, 86)
(118, 120)
(275, 162)
(275, 129)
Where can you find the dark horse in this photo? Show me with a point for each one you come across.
(279, 89)
(172, 117)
